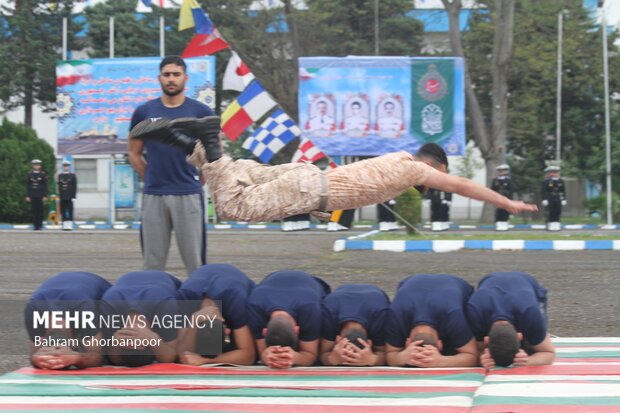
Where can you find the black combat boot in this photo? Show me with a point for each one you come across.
(160, 130)
(205, 129)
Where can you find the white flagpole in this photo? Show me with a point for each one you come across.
(607, 119)
(376, 27)
(162, 42)
(111, 37)
(558, 107)
(64, 38)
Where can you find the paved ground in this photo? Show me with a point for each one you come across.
(584, 285)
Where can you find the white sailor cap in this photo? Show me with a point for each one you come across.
(503, 167)
(66, 162)
(36, 162)
(552, 168)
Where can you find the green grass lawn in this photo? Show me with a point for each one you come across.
(511, 235)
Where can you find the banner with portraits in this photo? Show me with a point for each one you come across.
(95, 98)
(369, 106)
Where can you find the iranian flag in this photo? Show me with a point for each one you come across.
(70, 72)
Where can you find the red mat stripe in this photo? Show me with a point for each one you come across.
(544, 408)
(232, 407)
(391, 389)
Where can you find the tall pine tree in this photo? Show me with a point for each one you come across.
(30, 45)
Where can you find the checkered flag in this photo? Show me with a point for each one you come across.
(307, 152)
(272, 135)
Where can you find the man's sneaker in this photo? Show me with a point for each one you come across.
(160, 130)
(206, 129)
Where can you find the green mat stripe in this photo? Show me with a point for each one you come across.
(589, 354)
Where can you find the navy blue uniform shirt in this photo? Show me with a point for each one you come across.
(150, 293)
(436, 300)
(297, 293)
(220, 282)
(167, 171)
(66, 291)
(363, 303)
(512, 296)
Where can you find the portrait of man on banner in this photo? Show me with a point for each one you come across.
(356, 114)
(322, 115)
(390, 117)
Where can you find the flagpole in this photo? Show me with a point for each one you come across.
(376, 27)
(607, 119)
(64, 38)
(558, 106)
(111, 37)
(162, 42)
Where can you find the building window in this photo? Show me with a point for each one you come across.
(86, 173)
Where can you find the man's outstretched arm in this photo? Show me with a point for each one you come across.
(470, 189)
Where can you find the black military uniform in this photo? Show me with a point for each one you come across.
(440, 209)
(67, 189)
(36, 193)
(553, 193)
(502, 184)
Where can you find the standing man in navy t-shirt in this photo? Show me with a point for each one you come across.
(172, 192)
(427, 326)
(508, 316)
(353, 330)
(218, 292)
(285, 318)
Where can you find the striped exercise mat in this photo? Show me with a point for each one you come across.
(585, 378)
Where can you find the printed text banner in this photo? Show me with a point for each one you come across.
(96, 98)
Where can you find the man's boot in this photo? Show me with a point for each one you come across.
(206, 129)
(160, 130)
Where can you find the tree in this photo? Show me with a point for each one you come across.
(490, 129)
(341, 28)
(532, 89)
(18, 146)
(268, 40)
(30, 45)
(135, 34)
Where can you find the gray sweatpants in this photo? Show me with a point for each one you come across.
(182, 213)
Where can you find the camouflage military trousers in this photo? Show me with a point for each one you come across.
(249, 191)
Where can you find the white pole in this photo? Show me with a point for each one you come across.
(64, 38)
(111, 37)
(558, 106)
(111, 197)
(607, 120)
(162, 43)
(376, 27)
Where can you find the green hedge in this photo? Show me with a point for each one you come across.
(19, 145)
(598, 206)
(409, 206)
